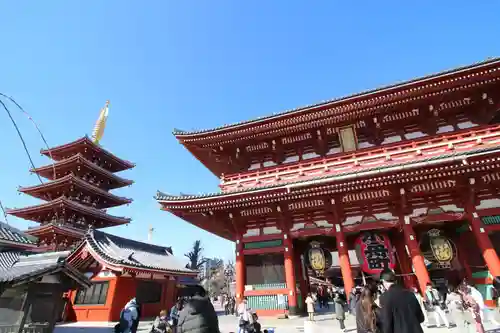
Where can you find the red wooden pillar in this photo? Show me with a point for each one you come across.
(240, 271)
(344, 262)
(463, 239)
(303, 284)
(404, 261)
(416, 256)
(483, 240)
(291, 282)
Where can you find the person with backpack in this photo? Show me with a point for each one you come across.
(129, 318)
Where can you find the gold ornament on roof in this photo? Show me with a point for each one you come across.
(100, 124)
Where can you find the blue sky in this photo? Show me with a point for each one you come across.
(199, 64)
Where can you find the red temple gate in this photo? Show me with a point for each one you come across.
(398, 161)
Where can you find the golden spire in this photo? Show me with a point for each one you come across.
(100, 124)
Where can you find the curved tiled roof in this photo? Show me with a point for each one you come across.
(64, 229)
(180, 133)
(80, 158)
(124, 164)
(8, 258)
(69, 204)
(16, 267)
(70, 178)
(11, 234)
(160, 196)
(129, 253)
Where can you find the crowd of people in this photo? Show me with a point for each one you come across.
(385, 306)
(192, 314)
(382, 306)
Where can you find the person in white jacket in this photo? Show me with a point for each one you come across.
(245, 315)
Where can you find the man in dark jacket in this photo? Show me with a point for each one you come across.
(198, 314)
(400, 310)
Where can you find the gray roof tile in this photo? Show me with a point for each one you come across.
(8, 258)
(25, 266)
(122, 251)
(11, 234)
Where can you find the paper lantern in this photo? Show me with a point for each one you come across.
(374, 252)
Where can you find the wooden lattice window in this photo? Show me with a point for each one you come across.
(94, 295)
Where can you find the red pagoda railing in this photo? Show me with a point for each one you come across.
(366, 158)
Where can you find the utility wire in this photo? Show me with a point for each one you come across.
(4, 213)
(21, 138)
(37, 128)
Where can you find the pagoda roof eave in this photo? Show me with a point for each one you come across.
(31, 190)
(58, 229)
(125, 165)
(126, 255)
(78, 157)
(385, 90)
(23, 212)
(167, 199)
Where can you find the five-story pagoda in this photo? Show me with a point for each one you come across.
(78, 192)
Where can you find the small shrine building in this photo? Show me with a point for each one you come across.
(406, 175)
(77, 198)
(32, 284)
(121, 269)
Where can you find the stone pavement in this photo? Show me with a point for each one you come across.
(327, 323)
(324, 323)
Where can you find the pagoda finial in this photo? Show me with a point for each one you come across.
(100, 125)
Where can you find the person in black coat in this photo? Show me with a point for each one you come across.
(198, 314)
(400, 310)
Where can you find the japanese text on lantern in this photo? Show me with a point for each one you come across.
(374, 253)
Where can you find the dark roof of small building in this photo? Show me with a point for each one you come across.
(10, 234)
(19, 267)
(130, 254)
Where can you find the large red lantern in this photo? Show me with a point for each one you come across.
(374, 252)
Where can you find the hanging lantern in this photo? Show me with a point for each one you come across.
(375, 253)
(438, 250)
(318, 258)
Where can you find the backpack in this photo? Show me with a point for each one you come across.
(122, 324)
